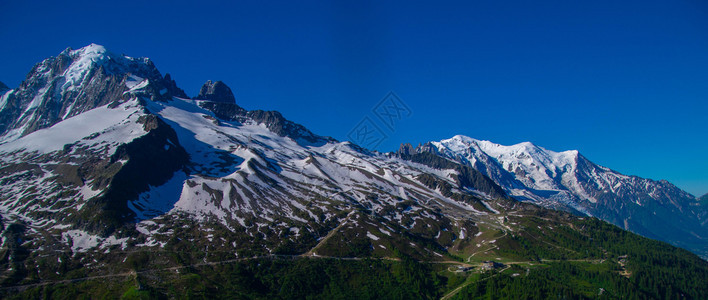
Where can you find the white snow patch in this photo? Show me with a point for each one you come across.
(80, 241)
(4, 97)
(489, 207)
(87, 192)
(112, 125)
(386, 232)
(132, 81)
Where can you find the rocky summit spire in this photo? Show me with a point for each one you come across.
(216, 91)
(3, 87)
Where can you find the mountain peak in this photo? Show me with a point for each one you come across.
(89, 56)
(463, 138)
(703, 200)
(466, 141)
(458, 142)
(3, 88)
(216, 91)
(76, 81)
(96, 56)
(91, 49)
(462, 142)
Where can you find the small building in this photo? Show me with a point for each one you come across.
(491, 265)
(464, 269)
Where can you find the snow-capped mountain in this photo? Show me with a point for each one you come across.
(100, 150)
(74, 82)
(568, 180)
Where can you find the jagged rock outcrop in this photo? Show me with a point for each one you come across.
(172, 87)
(221, 101)
(283, 127)
(216, 91)
(218, 98)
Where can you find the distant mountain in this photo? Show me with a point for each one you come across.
(569, 181)
(113, 183)
(3, 88)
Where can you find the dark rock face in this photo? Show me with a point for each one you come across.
(220, 100)
(467, 177)
(217, 92)
(406, 149)
(701, 206)
(283, 127)
(703, 200)
(275, 121)
(171, 86)
(225, 111)
(151, 161)
(3, 88)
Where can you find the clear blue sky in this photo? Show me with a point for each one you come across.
(624, 82)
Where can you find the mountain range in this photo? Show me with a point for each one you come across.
(569, 181)
(108, 169)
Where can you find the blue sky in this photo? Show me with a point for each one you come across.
(624, 83)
